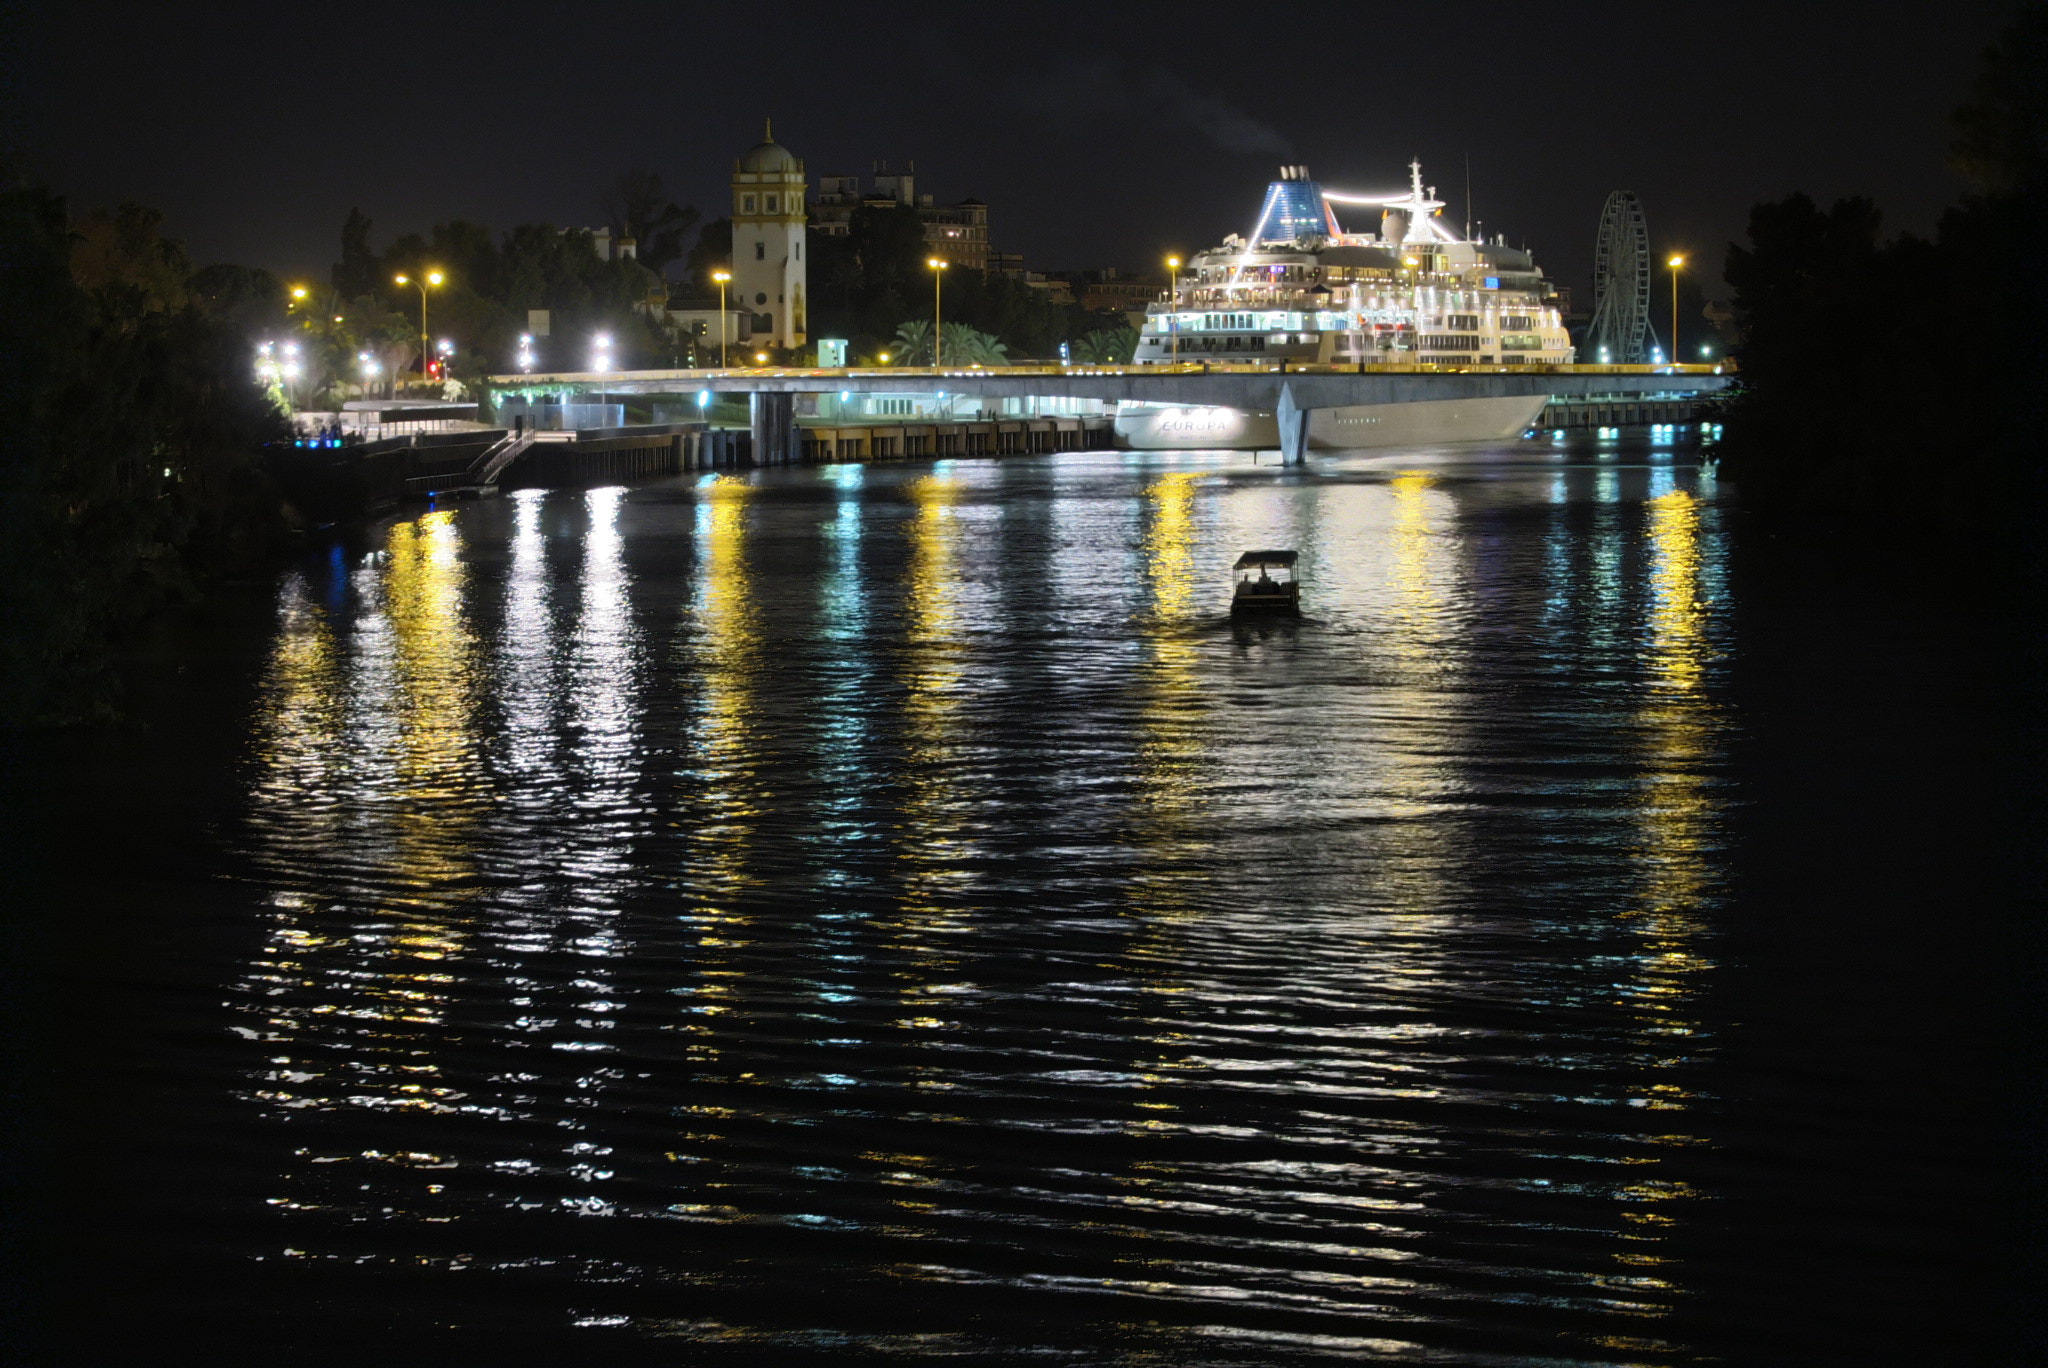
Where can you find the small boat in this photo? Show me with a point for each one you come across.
(1266, 583)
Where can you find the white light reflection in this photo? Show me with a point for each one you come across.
(527, 654)
(844, 712)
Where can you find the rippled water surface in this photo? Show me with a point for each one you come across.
(889, 912)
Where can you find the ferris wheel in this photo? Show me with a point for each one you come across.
(1620, 331)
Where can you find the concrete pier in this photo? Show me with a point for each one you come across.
(773, 418)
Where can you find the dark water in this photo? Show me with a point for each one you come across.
(887, 913)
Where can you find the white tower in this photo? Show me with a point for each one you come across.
(768, 269)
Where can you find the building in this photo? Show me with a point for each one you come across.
(1055, 290)
(954, 232)
(697, 326)
(607, 247)
(768, 268)
(1111, 291)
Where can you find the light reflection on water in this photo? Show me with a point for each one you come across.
(911, 873)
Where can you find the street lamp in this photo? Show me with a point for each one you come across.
(938, 328)
(724, 321)
(601, 359)
(1674, 264)
(884, 358)
(760, 358)
(526, 351)
(433, 278)
(1173, 303)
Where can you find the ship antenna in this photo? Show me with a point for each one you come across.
(1468, 197)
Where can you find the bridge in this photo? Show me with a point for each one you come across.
(1289, 391)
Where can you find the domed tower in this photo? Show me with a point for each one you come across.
(768, 270)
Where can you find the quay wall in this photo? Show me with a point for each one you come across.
(1625, 411)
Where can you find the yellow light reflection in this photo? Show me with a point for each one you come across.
(1678, 724)
(1418, 598)
(1679, 816)
(393, 728)
(437, 762)
(1172, 712)
(1169, 819)
(934, 682)
(726, 650)
(299, 733)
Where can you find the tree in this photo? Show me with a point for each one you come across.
(968, 346)
(636, 207)
(132, 471)
(713, 252)
(2001, 130)
(126, 265)
(1106, 346)
(358, 271)
(912, 343)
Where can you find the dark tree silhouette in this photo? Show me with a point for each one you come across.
(1897, 380)
(637, 207)
(358, 272)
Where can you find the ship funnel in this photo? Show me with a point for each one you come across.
(1294, 208)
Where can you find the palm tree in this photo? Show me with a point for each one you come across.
(912, 345)
(967, 346)
(1106, 346)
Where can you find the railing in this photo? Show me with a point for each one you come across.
(598, 379)
(492, 463)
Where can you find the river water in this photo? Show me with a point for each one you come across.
(877, 913)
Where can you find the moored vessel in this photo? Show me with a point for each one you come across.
(1300, 290)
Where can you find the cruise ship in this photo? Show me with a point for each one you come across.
(1301, 289)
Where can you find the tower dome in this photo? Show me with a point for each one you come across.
(767, 157)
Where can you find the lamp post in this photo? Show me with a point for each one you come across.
(724, 322)
(432, 278)
(1173, 303)
(938, 275)
(1674, 264)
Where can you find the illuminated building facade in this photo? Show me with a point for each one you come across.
(768, 269)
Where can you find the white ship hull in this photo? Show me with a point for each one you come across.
(1145, 427)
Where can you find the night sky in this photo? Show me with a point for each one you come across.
(1101, 134)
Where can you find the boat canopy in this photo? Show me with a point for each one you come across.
(1261, 560)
